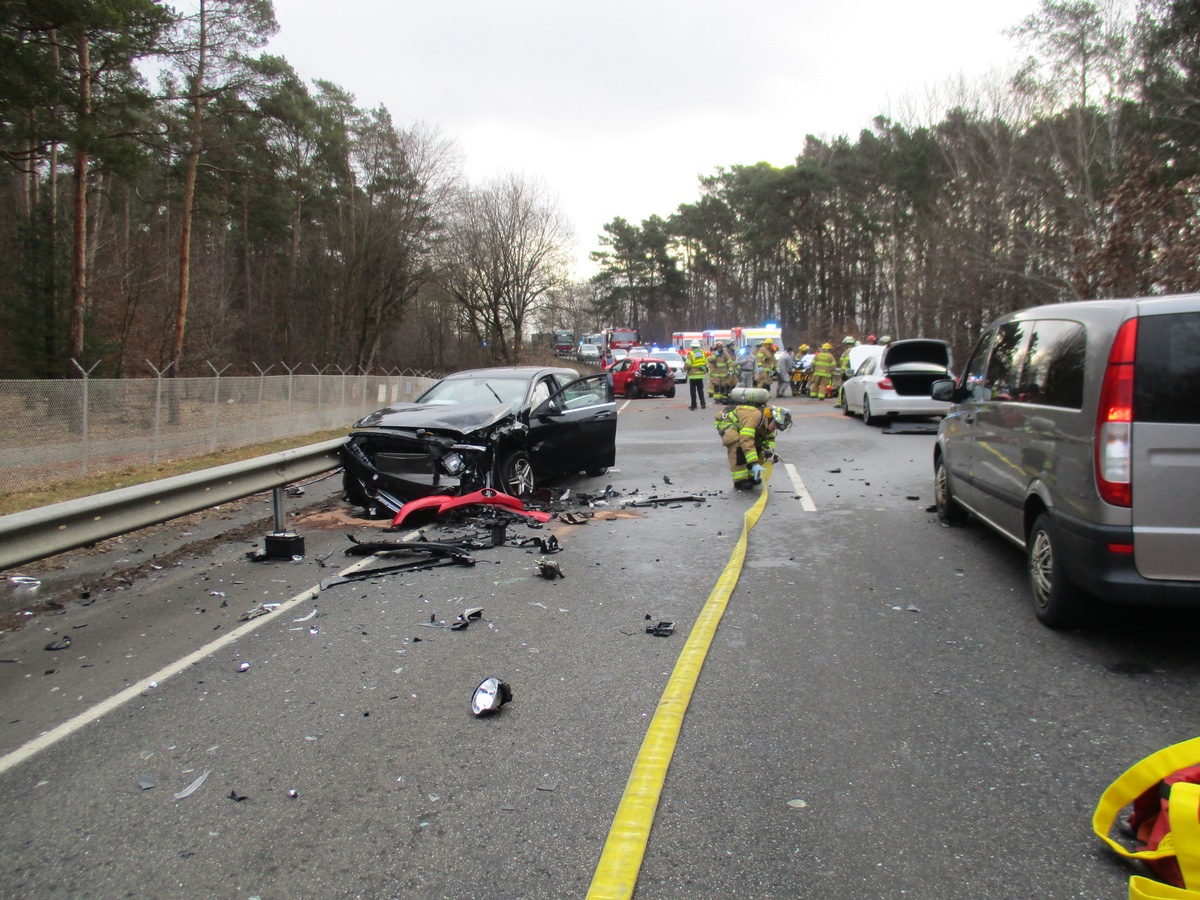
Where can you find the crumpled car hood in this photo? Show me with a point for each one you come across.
(437, 417)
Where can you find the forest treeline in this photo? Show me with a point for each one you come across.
(178, 199)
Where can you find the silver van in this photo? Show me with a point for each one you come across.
(1074, 432)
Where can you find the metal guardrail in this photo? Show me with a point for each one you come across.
(38, 533)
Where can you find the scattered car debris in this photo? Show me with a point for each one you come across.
(311, 615)
(659, 501)
(146, 783)
(194, 786)
(261, 610)
(293, 793)
(491, 694)
(461, 621)
(661, 627)
(457, 558)
(549, 570)
(24, 582)
(372, 548)
(62, 643)
(546, 545)
(294, 490)
(236, 797)
(244, 667)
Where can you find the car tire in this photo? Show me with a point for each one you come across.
(1056, 602)
(670, 394)
(845, 405)
(632, 392)
(948, 510)
(516, 474)
(868, 419)
(596, 473)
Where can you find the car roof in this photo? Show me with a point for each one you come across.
(514, 372)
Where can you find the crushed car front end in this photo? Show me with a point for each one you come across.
(402, 453)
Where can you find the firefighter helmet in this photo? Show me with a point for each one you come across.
(782, 416)
(849, 340)
(826, 346)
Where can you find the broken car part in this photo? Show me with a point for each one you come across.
(491, 694)
(416, 565)
(549, 570)
(661, 628)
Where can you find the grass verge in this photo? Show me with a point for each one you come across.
(86, 486)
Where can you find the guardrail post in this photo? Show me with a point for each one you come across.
(85, 373)
(158, 376)
(212, 441)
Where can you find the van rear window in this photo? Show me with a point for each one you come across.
(1167, 369)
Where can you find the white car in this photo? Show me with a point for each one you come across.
(675, 361)
(589, 352)
(897, 380)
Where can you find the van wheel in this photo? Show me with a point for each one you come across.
(948, 510)
(868, 419)
(516, 474)
(1056, 602)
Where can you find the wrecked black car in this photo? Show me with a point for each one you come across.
(506, 428)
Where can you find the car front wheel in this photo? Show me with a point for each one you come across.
(516, 474)
(1056, 602)
(632, 392)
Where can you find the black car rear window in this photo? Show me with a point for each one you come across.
(1167, 368)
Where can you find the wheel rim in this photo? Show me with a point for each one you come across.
(520, 480)
(866, 408)
(1041, 568)
(939, 490)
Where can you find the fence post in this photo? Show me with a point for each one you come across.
(261, 375)
(212, 441)
(342, 372)
(320, 383)
(291, 370)
(158, 374)
(85, 373)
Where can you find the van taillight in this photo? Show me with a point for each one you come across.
(1114, 421)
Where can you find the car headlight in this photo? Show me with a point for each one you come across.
(453, 463)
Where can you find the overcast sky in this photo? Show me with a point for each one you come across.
(618, 107)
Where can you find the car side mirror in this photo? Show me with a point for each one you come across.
(546, 410)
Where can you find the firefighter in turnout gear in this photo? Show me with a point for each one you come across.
(696, 364)
(764, 365)
(721, 374)
(822, 372)
(748, 433)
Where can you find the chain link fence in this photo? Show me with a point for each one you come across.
(53, 430)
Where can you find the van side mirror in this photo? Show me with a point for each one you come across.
(945, 391)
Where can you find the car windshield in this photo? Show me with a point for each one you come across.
(477, 390)
(668, 356)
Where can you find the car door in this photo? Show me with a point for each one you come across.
(576, 428)
(997, 467)
(957, 431)
(856, 386)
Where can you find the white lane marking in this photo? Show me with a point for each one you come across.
(69, 727)
(806, 501)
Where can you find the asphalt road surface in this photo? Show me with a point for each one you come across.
(878, 714)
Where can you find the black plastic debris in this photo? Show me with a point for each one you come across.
(666, 479)
(491, 694)
(549, 570)
(456, 558)
(546, 545)
(236, 797)
(661, 628)
(62, 643)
